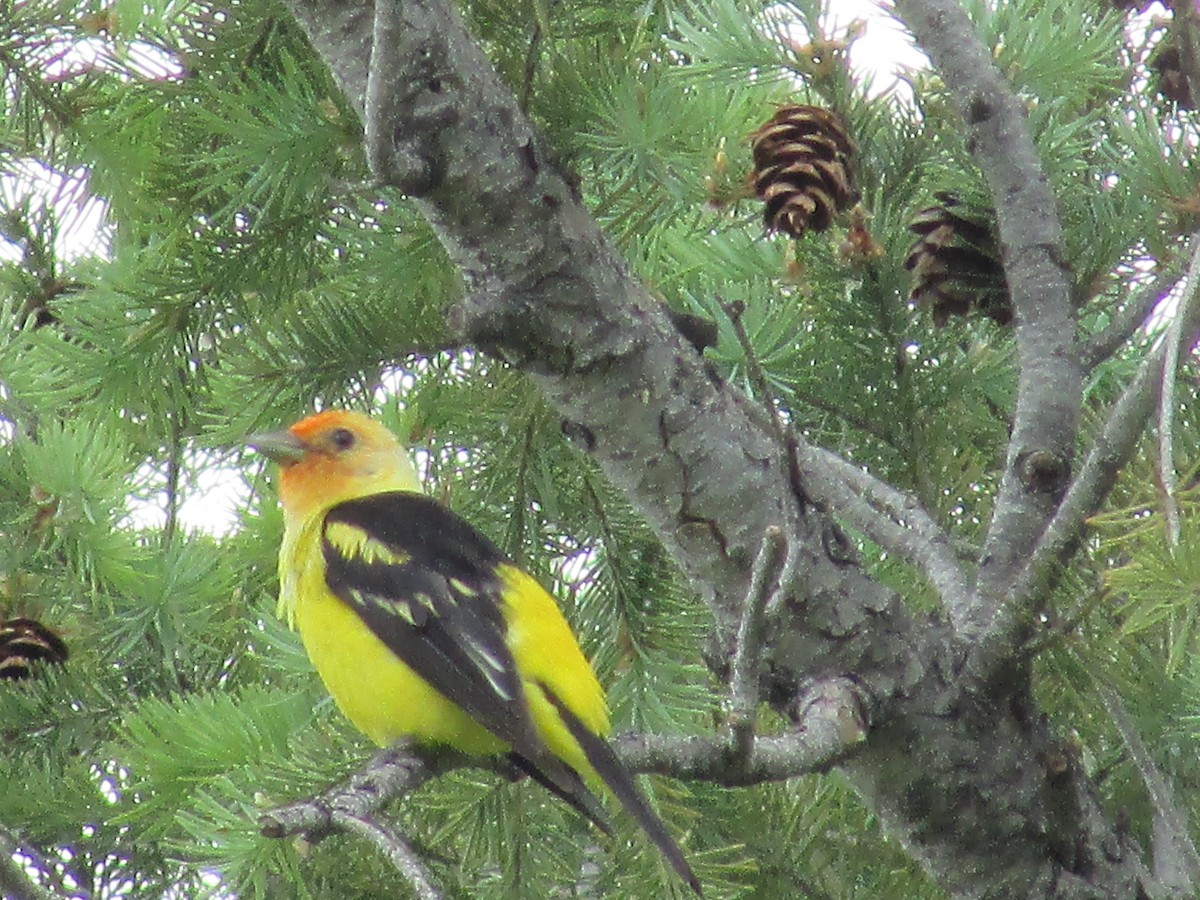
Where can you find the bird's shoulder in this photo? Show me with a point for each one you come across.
(405, 552)
(400, 528)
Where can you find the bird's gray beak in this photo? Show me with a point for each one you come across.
(281, 446)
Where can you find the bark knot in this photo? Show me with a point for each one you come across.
(1043, 471)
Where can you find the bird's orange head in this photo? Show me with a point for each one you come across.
(335, 456)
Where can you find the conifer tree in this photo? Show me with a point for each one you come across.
(888, 560)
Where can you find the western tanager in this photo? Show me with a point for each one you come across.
(423, 630)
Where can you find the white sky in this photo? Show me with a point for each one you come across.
(885, 47)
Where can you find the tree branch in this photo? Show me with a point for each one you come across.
(1166, 433)
(1167, 402)
(1133, 315)
(388, 774)
(744, 692)
(1176, 862)
(1049, 387)
(830, 721)
(830, 725)
(402, 857)
(385, 58)
(894, 520)
(1110, 451)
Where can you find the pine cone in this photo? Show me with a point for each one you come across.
(955, 262)
(1172, 83)
(802, 169)
(26, 641)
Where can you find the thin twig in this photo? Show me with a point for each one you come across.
(862, 423)
(1176, 862)
(912, 433)
(174, 468)
(754, 371)
(791, 442)
(904, 527)
(531, 61)
(765, 583)
(1133, 315)
(381, 87)
(1166, 405)
(392, 844)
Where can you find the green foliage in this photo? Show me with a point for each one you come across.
(248, 270)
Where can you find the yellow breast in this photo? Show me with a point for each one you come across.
(377, 692)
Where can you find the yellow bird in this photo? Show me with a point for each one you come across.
(424, 631)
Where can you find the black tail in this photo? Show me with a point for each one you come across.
(614, 774)
(565, 784)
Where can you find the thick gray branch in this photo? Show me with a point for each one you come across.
(894, 520)
(958, 776)
(1049, 388)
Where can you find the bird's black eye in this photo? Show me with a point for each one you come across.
(343, 438)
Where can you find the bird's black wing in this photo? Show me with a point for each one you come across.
(425, 582)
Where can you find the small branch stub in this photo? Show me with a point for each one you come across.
(766, 582)
(1044, 472)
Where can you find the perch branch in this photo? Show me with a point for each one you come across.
(389, 773)
(829, 722)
